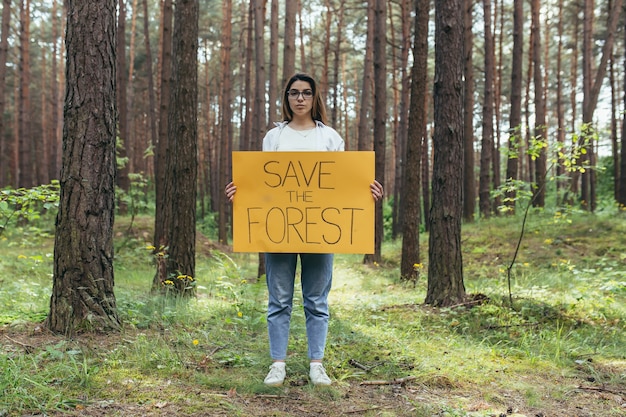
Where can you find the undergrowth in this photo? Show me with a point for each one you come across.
(566, 325)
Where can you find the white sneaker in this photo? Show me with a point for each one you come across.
(318, 375)
(276, 375)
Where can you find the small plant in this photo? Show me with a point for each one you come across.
(27, 204)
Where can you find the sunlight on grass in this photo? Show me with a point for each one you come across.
(565, 329)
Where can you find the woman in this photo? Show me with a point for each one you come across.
(303, 129)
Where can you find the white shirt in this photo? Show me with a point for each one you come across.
(321, 138)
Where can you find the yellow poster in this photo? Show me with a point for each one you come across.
(303, 202)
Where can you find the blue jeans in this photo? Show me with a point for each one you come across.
(316, 278)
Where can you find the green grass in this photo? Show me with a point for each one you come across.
(208, 356)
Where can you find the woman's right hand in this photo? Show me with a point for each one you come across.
(230, 191)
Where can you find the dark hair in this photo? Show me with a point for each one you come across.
(318, 111)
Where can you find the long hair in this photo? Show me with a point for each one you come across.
(318, 111)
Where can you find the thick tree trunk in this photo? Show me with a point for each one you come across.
(445, 266)
(82, 292)
(274, 89)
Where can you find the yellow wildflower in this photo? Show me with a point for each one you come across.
(195, 342)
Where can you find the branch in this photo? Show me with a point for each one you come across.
(395, 381)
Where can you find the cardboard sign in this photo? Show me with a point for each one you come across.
(303, 202)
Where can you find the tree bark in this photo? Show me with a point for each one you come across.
(82, 292)
(5, 145)
(364, 130)
(469, 177)
(123, 180)
(27, 173)
(409, 268)
(162, 145)
(622, 178)
(515, 118)
(445, 266)
(486, 152)
(182, 164)
(225, 142)
(540, 130)
(289, 47)
(380, 116)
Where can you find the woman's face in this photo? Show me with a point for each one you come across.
(301, 104)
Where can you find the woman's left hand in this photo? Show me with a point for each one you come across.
(377, 190)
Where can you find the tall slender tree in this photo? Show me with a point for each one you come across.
(225, 142)
(182, 164)
(540, 129)
(622, 178)
(445, 265)
(380, 116)
(162, 145)
(417, 121)
(289, 46)
(82, 289)
(5, 149)
(469, 177)
(27, 173)
(515, 117)
(123, 180)
(486, 152)
(364, 136)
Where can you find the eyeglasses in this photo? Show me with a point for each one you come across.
(306, 94)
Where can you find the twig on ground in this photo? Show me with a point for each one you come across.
(395, 381)
(359, 365)
(362, 410)
(600, 389)
(27, 348)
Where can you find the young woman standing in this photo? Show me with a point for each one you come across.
(303, 129)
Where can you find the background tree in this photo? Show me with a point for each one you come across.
(622, 178)
(162, 146)
(539, 197)
(5, 148)
(487, 156)
(412, 166)
(182, 165)
(123, 180)
(445, 265)
(380, 116)
(225, 142)
(82, 290)
(469, 178)
(515, 117)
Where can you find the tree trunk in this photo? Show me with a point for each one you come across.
(622, 177)
(259, 122)
(289, 47)
(5, 148)
(486, 151)
(402, 133)
(560, 111)
(162, 145)
(152, 116)
(123, 181)
(225, 142)
(380, 116)
(27, 173)
(409, 268)
(539, 197)
(274, 89)
(82, 292)
(182, 164)
(469, 177)
(515, 118)
(445, 266)
(364, 129)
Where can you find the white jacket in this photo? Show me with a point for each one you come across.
(325, 138)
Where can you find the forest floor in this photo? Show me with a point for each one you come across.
(389, 355)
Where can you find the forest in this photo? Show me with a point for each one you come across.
(498, 130)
